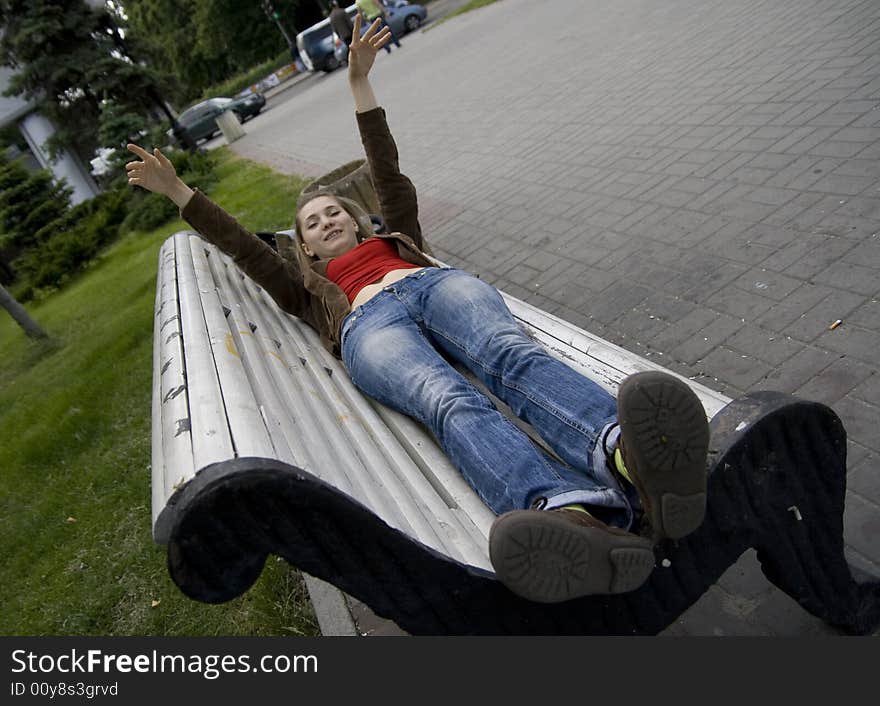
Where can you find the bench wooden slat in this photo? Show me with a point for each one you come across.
(172, 453)
(594, 357)
(230, 346)
(446, 482)
(211, 438)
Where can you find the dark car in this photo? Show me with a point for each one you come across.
(200, 120)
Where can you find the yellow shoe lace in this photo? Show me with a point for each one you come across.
(578, 508)
(619, 465)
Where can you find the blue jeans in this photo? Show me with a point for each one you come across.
(394, 347)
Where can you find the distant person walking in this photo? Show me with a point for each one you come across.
(373, 9)
(341, 23)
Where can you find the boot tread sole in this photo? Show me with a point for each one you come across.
(666, 439)
(548, 559)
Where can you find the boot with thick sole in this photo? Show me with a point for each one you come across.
(664, 440)
(550, 556)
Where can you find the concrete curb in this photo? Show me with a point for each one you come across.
(340, 615)
(331, 608)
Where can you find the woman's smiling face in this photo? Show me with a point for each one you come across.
(326, 228)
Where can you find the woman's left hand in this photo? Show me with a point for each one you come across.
(156, 173)
(362, 50)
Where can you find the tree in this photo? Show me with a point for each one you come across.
(139, 83)
(204, 42)
(30, 202)
(118, 126)
(165, 33)
(116, 129)
(50, 45)
(236, 31)
(69, 59)
(18, 312)
(12, 144)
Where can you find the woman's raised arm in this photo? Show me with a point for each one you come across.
(361, 55)
(397, 195)
(281, 278)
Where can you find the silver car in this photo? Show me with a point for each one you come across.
(402, 17)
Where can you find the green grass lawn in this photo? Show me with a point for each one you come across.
(76, 553)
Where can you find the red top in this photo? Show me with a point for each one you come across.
(364, 264)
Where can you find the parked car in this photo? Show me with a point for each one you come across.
(322, 50)
(200, 120)
(315, 46)
(406, 17)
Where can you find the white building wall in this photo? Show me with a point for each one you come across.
(11, 107)
(37, 129)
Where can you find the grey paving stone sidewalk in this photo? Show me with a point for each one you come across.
(697, 181)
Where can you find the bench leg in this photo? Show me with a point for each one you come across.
(778, 484)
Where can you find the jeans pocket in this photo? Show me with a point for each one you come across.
(345, 329)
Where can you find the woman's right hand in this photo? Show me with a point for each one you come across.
(362, 50)
(156, 173)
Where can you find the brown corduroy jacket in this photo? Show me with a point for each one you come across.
(302, 288)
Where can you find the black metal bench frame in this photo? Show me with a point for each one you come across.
(777, 481)
(777, 485)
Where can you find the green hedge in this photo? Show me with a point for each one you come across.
(149, 211)
(232, 86)
(71, 242)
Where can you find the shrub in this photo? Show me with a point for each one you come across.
(148, 211)
(29, 201)
(68, 244)
(236, 84)
(197, 168)
(157, 136)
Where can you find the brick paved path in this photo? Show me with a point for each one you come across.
(695, 180)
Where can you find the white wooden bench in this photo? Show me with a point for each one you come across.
(261, 444)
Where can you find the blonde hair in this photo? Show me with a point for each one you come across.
(354, 209)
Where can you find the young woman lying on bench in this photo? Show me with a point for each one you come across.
(634, 468)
